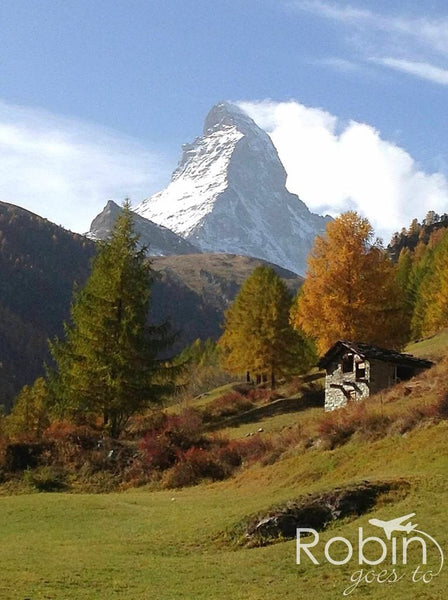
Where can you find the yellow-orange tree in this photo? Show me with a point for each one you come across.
(431, 307)
(350, 289)
(258, 337)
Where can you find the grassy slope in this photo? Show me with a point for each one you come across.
(169, 545)
(431, 348)
(139, 545)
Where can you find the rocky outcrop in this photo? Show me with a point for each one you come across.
(317, 511)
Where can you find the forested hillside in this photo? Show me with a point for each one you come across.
(40, 263)
(417, 233)
(422, 255)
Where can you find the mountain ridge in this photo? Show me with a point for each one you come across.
(158, 240)
(228, 194)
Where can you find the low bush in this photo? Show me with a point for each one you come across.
(193, 466)
(260, 395)
(84, 436)
(170, 437)
(336, 428)
(19, 456)
(442, 407)
(139, 425)
(251, 449)
(227, 405)
(46, 479)
(373, 426)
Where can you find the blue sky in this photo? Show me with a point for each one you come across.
(96, 98)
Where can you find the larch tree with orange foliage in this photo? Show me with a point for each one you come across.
(350, 290)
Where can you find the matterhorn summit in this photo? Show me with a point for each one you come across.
(228, 194)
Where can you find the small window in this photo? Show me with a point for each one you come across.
(360, 370)
(347, 363)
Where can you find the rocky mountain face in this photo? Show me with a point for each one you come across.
(228, 194)
(159, 240)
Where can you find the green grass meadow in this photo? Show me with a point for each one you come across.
(172, 544)
(143, 544)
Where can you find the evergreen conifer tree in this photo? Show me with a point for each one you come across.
(109, 362)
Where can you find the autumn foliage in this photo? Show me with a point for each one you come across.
(350, 290)
(258, 337)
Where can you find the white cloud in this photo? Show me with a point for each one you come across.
(338, 64)
(419, 69)
(66, 170)
(335, 166)
(413, 44)
(433, 32)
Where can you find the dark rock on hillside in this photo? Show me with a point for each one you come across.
(317, 511)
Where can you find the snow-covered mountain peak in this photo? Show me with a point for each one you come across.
(224, 115)
(228, 194)
(158, 240)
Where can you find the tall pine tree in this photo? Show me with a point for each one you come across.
(258, 337)
(109, 362)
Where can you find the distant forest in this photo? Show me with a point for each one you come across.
(39, 263)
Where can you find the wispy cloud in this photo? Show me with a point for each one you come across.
(432, 32)
(342, 65)
(419, 69)
(66, 170)
(404, 40)
(334, 166)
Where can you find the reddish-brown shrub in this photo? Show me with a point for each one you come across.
(159, 451)
(442, 407)
(260, 395)
(59, 430)
(337, 427)
(139, 425)
(193, 466)
(251, 449)
(229, 454)
(84, 436)
(372, 426)
(173, 435)
(227, 405)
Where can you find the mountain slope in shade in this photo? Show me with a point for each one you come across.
(228, 194)
(39, 264)
(193, 291)
(159, 240)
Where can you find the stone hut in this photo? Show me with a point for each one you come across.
(355, 371)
